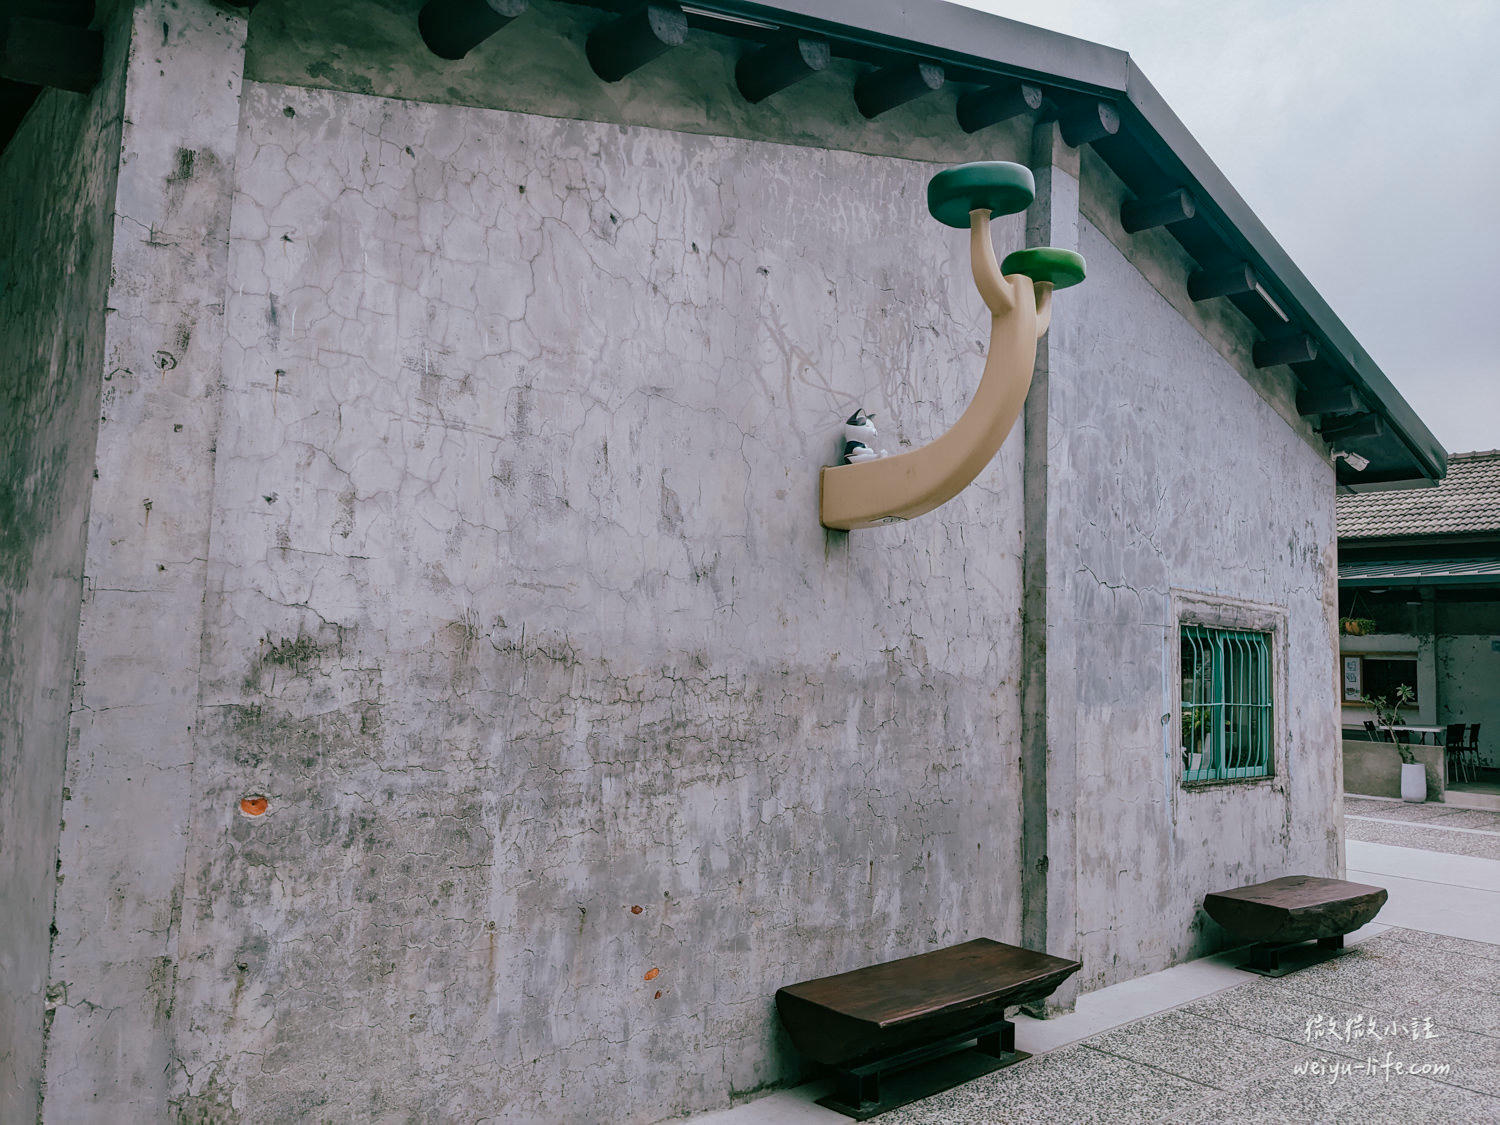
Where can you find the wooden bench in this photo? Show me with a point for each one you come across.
(1281, 914)
(886, 1018)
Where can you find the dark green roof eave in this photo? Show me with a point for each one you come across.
(1240, 224)
(949, 33)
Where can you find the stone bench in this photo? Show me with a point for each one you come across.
(1283, 913)
(886, 1018)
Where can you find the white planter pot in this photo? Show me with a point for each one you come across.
(1413, 782)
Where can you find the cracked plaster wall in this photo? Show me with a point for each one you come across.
(516, 604)
(131, 747)
(537, 65)
(57, 182)
(520, 615)
(1175, 474)
(1468, 671)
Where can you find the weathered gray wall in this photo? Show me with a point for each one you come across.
(57, 181)
(537, 65)
(1173, 473)
(1431, 704)
(476, 528)
(131, 747)
(1468, 671)
(1374, 768)
(521, 616)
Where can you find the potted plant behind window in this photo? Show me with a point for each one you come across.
(1388, 718)
(1195, 731)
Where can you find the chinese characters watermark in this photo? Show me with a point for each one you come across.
(1370, 1030)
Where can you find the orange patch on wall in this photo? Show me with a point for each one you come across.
(652, 974)
(253, 806)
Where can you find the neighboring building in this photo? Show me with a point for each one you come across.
(1423, 565)
(425, 687)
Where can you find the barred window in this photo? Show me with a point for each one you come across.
(1226, 704)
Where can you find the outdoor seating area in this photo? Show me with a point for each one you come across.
(874, 1028)
(1460, 743)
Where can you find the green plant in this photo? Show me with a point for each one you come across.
(1388, 716)
(1357, 626)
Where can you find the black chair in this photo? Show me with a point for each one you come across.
(1471, 751)
(1453, 748)
(1375, 733)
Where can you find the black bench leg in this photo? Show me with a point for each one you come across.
(1331, 942)
(855, 1089)
(999, 1043)
(1265, 958)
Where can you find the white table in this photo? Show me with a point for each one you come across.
(1422, 732)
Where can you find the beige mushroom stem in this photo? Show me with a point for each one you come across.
(909, 484)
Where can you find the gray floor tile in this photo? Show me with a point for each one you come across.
(1309, 1047)
(1394, 810)
(1269, 1008)
(1450, 949)
(1428, 837)
(1338, 1088)
(1471, 1061)
(1404, 1099)
(1480, 819)
(1073, 1084)
(1200, 1049)
(1467, 1009)
(1271, 1102)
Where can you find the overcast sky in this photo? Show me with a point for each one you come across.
(1366, 136)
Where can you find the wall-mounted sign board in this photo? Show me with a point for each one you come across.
(1354, 679)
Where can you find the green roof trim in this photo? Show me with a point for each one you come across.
(1428, 572)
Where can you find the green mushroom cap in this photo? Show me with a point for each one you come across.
(1045, 263)
(1002, 187)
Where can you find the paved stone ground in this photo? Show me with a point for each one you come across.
(1334, 1042)
(1429, 813)
(1475, 842)
(1431, 827)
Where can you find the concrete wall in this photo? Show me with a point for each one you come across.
(1430, 705)
(57, 180)
(1175, 475)
(1458, 669)
(521, 617)
(457, 495)
(1374, 768)
(131, 750)
(537, 65)
(1468, 683)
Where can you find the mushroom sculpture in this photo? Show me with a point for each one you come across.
(1018, 293)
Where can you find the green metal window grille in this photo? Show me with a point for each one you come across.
(1226, 704)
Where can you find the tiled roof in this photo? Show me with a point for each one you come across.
(1466, 501)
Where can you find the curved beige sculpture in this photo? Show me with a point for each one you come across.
(897, 488)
